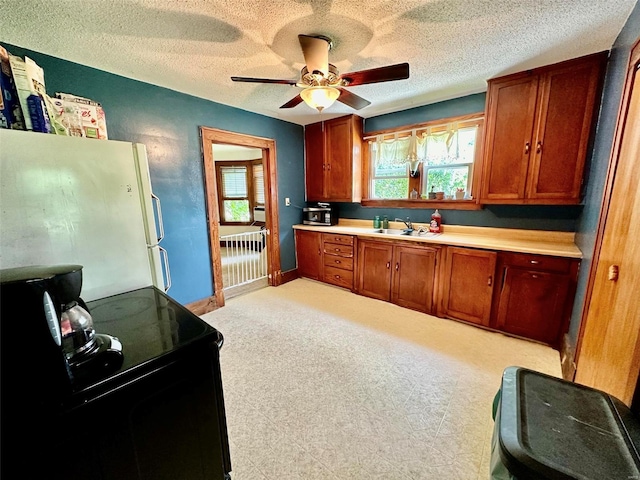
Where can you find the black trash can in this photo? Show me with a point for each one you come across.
(549, 428)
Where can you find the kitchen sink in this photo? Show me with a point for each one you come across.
(392, 231)
(404, 232)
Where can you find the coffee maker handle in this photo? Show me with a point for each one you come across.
(52, 319)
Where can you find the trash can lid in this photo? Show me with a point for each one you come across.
(549, 428)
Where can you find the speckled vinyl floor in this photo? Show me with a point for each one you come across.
(324, 384)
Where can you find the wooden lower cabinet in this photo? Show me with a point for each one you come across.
(374, 269)
(467, 284)
(526, 295)
(402, 274)
(338, 259)
(535, 296)
(309, 254)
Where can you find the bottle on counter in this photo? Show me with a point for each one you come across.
(436, 222)
(385, 222)
(414, 194)
(376, 221)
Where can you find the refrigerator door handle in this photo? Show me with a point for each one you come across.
(165, 259)
(159, 210)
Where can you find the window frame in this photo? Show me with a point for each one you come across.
(251, 192)
(417, 183)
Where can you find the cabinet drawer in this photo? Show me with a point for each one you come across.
(336, 276)
(537, 262)
(344, 263)
(339, 250)
(336, 238)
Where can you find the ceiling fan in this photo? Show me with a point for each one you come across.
(321, 81)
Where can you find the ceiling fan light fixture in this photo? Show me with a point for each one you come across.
(320, 97)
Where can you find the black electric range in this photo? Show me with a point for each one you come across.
(158, 415)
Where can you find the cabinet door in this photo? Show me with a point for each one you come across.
(413, 277)
(374, 269)
(511, 107)
(468, 284)
(314, 162)
(566, 106)
(339, 177)
(532, 304)
(309, 254)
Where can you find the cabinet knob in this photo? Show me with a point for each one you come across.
(533, 275)
(534, 262)
(527, 147)
(337, 261)
(397, 266)
(388, 264)
(490, 281)
(614, 272)
(539, 147)
(337, 277)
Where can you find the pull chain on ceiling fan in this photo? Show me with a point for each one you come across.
(321, 81)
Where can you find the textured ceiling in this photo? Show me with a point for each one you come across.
(195, 46)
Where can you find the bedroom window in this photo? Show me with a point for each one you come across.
(240, 189)
(411, 164)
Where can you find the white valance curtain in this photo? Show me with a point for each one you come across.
(431, 146)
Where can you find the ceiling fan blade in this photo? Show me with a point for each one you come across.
(263, 80)
(293, 102)
(316, 53)
(352, 100)
(399, 71)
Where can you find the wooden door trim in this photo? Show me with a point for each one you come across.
(634, 62)
(269, 159)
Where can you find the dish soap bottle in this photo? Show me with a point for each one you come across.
(436, 221)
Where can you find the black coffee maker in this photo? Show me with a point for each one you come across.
(49, 346)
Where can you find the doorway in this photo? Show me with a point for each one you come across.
(251, 250)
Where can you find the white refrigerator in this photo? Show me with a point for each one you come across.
(69, 200)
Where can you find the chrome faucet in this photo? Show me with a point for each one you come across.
(407, 222)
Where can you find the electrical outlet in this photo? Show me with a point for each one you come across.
(287, 202)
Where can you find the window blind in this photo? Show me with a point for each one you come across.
(234, 182)
(258, 184)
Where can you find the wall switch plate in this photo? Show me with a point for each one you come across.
(287, 202)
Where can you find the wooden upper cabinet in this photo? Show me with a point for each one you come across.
(333, 160)
(538, 125)
(314, 161)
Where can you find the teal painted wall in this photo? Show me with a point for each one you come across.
(560, 218)
(168, 122)
(612, 94)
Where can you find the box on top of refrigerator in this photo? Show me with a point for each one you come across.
(94, 123)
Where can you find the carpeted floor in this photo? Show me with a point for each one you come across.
(324, 384)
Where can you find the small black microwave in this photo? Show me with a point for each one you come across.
(319, 216)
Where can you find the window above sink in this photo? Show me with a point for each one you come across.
(425, 165)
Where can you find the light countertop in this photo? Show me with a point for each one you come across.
(559, 244)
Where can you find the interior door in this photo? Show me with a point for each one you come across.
(609, 351)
